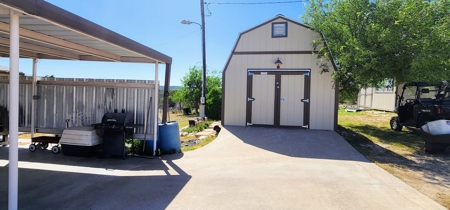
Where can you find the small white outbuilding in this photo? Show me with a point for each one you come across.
(273, 78)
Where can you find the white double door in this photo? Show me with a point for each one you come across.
(277, 99)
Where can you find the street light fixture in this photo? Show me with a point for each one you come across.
(202, 26)
(188, 22)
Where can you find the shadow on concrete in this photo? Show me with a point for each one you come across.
(110, 163)
(297, 142)
(138, 183)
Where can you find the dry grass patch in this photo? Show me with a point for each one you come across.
(178, 116)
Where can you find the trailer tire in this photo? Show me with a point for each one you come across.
(55, 149)
(395, 124)
(32, 147)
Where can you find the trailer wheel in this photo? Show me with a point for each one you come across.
(32, 147)
(55, 149)
(395, 124)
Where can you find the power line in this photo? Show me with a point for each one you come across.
(248, 3)
(176, 38)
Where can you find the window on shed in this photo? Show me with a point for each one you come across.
(279, 29)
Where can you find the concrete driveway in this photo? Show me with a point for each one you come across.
(244, 168)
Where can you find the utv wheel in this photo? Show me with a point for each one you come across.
(395, 124)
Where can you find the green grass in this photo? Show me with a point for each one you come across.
(365, 128)
(199, 145)
(197, 128)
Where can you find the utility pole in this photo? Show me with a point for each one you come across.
(203, 97)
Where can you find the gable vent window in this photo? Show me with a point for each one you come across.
(279, 29)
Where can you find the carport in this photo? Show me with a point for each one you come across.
(40, 30)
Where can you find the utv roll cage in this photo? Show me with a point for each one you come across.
(429, 102)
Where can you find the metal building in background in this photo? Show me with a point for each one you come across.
(67, 102)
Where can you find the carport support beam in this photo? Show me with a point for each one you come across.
(165, 104)
(13, 110)
(155, 120)
(33, 102)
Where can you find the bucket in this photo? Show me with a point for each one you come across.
(169, 137)
(439, 127)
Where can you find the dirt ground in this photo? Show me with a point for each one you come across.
(406, 158)
(429, 174)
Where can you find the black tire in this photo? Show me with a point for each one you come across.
(55, 149)
(32, 147)
(395, 124)
(447, 150)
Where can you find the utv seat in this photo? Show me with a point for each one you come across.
(426, 101)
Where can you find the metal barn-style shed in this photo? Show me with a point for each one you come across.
(273, 78)
(384, 99)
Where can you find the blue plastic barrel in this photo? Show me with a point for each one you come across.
(149, 144)
(169, 137)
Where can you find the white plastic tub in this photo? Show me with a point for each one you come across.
(80, 136)
(438, 127)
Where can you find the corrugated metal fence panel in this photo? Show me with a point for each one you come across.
(24, 95)
(82, 106)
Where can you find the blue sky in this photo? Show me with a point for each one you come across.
(156, 24)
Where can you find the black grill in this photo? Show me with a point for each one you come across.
(114, 129)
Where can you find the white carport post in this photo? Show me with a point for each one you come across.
(33, 102)
(155, 127)
(13, 110)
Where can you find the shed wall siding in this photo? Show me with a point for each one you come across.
(383, 101)
(322, 92)
(260, 39)
(377, 100)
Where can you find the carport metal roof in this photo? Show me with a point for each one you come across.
(39, 30)
(49, 32)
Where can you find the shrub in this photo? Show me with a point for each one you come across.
(214, 103)
(197, 128)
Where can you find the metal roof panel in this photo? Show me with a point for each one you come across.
(87, 38)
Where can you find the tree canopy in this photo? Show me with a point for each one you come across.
(191, 90)
(371, 41)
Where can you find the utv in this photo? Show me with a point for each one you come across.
(420, 103)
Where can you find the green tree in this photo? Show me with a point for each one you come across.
(191, 90)
(371, 41)
(214, 95)
(176, 97)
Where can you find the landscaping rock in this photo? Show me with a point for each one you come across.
(205, 133)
